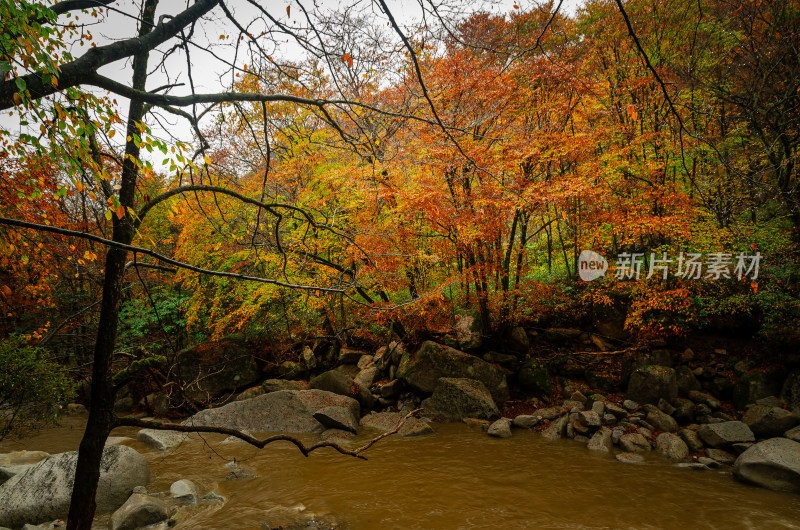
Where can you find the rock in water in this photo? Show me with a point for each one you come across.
(43, 492)
(500, 428)
(773, 464)
(601, 440)
(138, 511)
(433, 361)
(671, 446)
(387, 421)
(282, 411)
(161, 440)
(185, 491)
(337, 418)
(456, 399)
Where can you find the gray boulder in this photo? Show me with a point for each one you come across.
(648, 384)
(724, 434)
(184, 491)
(686, 380)
(769, 422)
(773, 464)
(161, 440)
(43, 492)
(557, 428)
(671, 446)
(138, 511)
(793, 434)
(423, 369)
(660, 420)
(340, 383)
(634, 443)
(337, 418)
(702, 398)
(459, 398)
(500, 428)
(283, 411)
(692, 440)
(601, 440)
(525, 421)
(387, 421)
(629, 458)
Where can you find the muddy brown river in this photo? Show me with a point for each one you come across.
(457, 478)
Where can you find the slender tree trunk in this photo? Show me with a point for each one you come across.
(101, 418)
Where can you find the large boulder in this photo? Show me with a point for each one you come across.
(138, 511)
(773, 464)
(433, 361)
(340, 383)
(43, 492)
(387, 421)
(458, 399)
(282, 411)
(725, 434)
(769, 422)
(212, 369)
(648, 384)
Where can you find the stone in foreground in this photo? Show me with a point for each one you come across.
(43, 492)
(772, 464)
(138, 511)
(455, 399)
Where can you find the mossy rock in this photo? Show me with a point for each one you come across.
(432, 361)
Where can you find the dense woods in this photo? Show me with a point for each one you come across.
(375, 177)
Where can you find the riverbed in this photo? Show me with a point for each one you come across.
(456, 478)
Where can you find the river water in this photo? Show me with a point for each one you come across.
(457, 478)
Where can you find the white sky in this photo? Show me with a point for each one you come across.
(206, 70)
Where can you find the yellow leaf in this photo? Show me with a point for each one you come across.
(111, 133)
(79, 186)
(17, 99)
(207, 160)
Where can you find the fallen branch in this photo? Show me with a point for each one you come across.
(261, 443)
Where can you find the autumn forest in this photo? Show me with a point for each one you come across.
(360, 177)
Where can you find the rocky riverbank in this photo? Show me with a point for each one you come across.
(666, 408)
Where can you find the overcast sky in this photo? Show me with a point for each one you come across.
(208, 57)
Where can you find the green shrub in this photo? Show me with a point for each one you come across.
(31, 387)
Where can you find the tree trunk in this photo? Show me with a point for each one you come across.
(101, 417)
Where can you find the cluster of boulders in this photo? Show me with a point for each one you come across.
(763, 448)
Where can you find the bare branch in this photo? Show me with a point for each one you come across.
(160, 257)
(261, 443)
